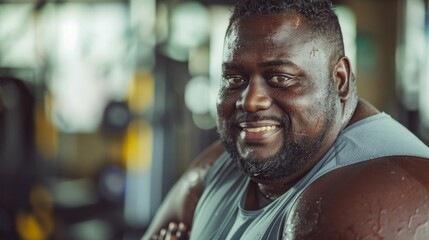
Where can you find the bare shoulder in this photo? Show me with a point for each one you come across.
(181, 201)
(386, 198)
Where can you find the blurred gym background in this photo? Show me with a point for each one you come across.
(103, 104)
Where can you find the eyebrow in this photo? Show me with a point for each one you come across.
(229, 65)
(272, 63)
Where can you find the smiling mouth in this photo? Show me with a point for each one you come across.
(258, 132)
(260, 129)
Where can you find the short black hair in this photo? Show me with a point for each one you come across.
(319, 15)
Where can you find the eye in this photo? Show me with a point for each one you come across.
(280, 80)
(234, 81)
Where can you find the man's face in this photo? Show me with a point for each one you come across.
(278, 108)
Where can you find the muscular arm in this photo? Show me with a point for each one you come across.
(382, 199)
(181, 201)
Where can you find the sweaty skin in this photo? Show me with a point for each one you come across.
(284, 88)
(385, 198)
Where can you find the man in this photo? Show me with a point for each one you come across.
(302, 156)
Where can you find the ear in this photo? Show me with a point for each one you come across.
(342, 75)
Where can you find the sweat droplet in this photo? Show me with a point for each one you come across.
(193, 178)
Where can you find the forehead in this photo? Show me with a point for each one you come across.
(276, 34)
(273, 23)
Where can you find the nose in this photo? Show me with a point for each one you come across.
(254, 97)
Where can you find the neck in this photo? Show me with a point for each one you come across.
(258, 196)
(362, 110)
(274, 190)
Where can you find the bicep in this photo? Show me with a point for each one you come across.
(180, 203)
(380, 200)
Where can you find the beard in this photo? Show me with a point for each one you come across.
(292, 157)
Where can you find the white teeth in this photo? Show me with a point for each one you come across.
(260, 129)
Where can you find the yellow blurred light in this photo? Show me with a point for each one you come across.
(28, 227)
(46, 135)
(138, 145)
(142, 91)
(34, 227)
(115, 151)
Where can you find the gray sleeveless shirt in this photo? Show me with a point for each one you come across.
(220, 213)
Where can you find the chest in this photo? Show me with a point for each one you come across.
(223, 214)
